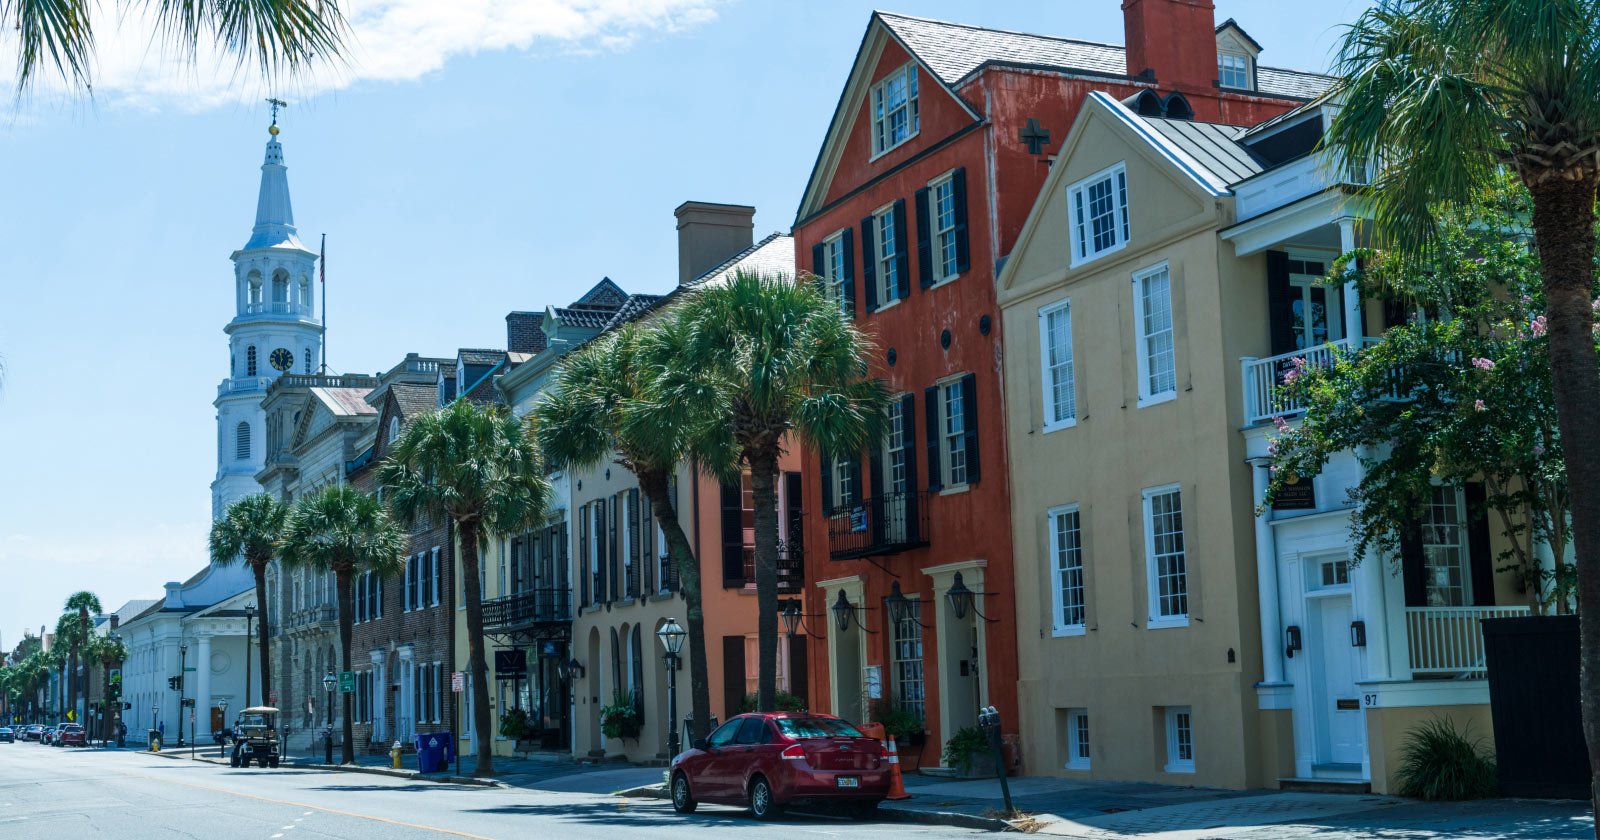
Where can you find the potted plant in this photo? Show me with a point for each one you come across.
(620, 719)
(514, 724)
(907, 730)
(969, 754)
(784, 701)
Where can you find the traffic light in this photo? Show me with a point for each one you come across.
(175, 683)
(127, 706)
(114, 684)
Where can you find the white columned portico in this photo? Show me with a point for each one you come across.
(405, 714)
(202, 693)
(1267, 578)
(378, 695)
(1352, 295)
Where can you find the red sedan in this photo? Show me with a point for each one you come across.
(71, 735)
(770, 761)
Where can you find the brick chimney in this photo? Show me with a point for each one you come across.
(523, 332)
(708, 234)
(1174, 39)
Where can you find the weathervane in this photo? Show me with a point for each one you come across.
(276, 104)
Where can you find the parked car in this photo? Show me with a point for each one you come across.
(49, 734)
(55, 734)
(770, 761)
(72, 735)
(32, 732)
(257, 738)
(8, 735)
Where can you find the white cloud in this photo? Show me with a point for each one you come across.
(392, 40)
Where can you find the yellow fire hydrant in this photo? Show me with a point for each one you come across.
(394, 755)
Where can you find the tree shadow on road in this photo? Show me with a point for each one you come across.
(628, 813)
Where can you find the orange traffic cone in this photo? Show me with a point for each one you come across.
(897, 788)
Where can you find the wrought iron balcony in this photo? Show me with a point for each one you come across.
(311, 618)
(791, 566)
(889, 524)
(527, 609)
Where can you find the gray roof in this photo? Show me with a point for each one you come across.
(584, 316)
(772, 255)
(413, 400)
(482, 357)
(1213, 146)
(955, 50)
(635, 306)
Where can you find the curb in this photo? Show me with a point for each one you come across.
(886, 810)
(406, 774)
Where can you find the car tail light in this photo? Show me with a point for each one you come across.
(883, 749)
(794, 753)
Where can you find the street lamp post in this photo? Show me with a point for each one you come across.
(155, 712)
(328, 682)
(672, 635)
(183, 671)
(249, 618)
(222, 741)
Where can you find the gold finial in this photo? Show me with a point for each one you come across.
(273, 129)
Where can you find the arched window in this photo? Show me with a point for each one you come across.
(305, 293)
(1148, 104)
(394, 430)
(250, 360)
(1177, 107)
(280, 286)
(241, 441)
(253, 281)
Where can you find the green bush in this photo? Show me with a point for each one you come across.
(621, 719)
(969, 741)
(786, 702)
(514, 724)
(1437, 762)
(898, 722)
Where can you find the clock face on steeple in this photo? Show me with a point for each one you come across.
(281, 359)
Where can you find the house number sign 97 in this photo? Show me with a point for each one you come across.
(1370, 700)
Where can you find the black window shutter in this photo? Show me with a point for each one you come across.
(1479, 552)
(819, 260)
(1280, 303)
(732, 675)
(876, 507)
(798, 684)
(924, 241)
(958, 183)
(583, 553)
(828, 501)
(732, 536)
(969, 422)
(848, 287)
(1413, 569)
(935, 475)
(635, 546)
(616, 524)
(855, 478)
(902, 252)
(908, 426)
(601, 537)
(869, 266)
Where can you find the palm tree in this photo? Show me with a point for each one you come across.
(480, 468)
(108, 652)
(78, 606)
(600, 406)
(345, 531)
(766, 357)
(282, 37)
(250, 530)
(1446, 94)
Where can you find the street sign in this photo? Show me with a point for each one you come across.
(347, 682)
(458, 682)
(274, 698)
(190, 668)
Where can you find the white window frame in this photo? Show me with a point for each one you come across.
(1048, 371)
(834, 268)
(944, 249)
(1157, 619)
(897, 441)
(903, 636)
(843, 481)
(1082, 239)
(1179, 721)
(884, 256)
(433, 578)
(1147, 395)
(1058, 584)
(1433, 548)
(1080, 739)
(907, 75)
(950, 441)
(1224, 69)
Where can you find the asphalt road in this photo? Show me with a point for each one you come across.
(73, 794)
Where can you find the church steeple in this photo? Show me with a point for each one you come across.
(274, 213)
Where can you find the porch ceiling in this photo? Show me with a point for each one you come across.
(1310, 222)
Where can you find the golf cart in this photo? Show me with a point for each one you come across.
(257, 738)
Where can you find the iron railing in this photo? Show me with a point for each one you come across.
(535, 606)
(791, 566)
(889, 524)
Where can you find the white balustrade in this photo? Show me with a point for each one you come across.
(1449, 640)
(1264, 386)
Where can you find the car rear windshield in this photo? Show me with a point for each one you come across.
(816, 728)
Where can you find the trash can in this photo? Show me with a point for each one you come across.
(433, 751)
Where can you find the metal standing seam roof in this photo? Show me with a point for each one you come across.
(954, 50)
(345, 402)
(1213, 146)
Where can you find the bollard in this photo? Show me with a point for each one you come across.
(989, 721)
(328, 745)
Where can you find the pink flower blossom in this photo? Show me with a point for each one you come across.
(1299, 362)
(1479, 405)
(1272, 447)
(1290, 376)
(1538, 449)
(1282, 424)
(1539, 326)
(1483, 364)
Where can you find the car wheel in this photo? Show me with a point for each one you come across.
(273, 764)
(762, 805)
(682, 800)
(864, 810)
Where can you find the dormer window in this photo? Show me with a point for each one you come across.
(1233, 71)
(894, 109)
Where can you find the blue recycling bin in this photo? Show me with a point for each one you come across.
(434, 751)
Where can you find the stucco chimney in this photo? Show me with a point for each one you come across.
(708, 234)
(1176, 40)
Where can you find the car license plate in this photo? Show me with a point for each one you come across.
(849, 782)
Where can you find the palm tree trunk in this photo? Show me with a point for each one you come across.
(482, 737)
(83, 643)
(266, 634)
(1563, 224)
(69, 683)
(657, 491)
(343, 581)
(764, 483)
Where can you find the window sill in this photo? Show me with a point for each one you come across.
(1078, 261)
(908, 139)
(944, 282)
(1056, 427)
(1157, 399)
(890, 305)
(1167, 623)
(1074, 630)
(1076, 766)
(955, 490)
(1187, 767)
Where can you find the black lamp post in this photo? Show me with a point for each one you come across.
(222, 740)
(328, 682)
(249, 619)
(183, 670)
(672, 635)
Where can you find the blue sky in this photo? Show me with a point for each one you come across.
(477, 159)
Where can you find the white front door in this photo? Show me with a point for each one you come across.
(1342, 729)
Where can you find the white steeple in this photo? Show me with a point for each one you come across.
(274, 330)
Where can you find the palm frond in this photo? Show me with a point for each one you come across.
(340, 528)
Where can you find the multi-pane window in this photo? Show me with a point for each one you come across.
(844, 482)
(435, 583)
(1066, 552)
(942, 210)
(834, 268)
(955, 434)
(410, 600)
(1180, 739)
(1164, 553)
(908, 676)
(1444, 549)
(894, 109)
(886, 255)
(1077, 739)
(1099, 206)
(1334, 572)
(1233, 71)
(1152, 298)
(1055, 356)
(897, 449)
